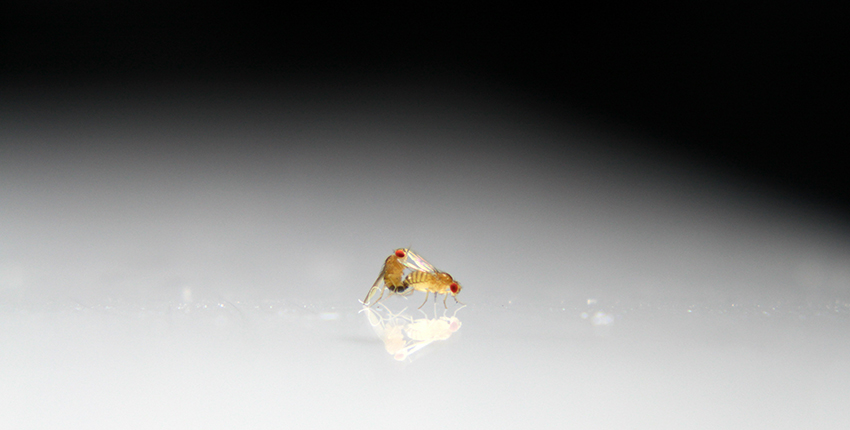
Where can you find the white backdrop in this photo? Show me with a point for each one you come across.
(194, 259)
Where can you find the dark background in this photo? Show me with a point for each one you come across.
(752, 89)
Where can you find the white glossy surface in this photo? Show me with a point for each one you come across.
(175, 266)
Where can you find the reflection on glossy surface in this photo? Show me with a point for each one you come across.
(403, 334)
(148, 281)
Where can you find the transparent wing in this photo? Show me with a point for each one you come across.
(415, 261)
(377, 287)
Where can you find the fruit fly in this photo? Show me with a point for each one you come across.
(391, 277)
(425, 277)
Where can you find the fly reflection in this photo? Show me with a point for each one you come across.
(403, 334)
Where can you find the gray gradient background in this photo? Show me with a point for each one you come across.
(193, 258)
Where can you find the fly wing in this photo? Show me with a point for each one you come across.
(377, 287)
(415, 262)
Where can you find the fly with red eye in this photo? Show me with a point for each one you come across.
(391, 277)
(425, 277)
(422, 276)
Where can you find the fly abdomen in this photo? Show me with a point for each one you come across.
(418, 278)
(397, 288)
(393, 276)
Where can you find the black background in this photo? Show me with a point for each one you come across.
(753, 88)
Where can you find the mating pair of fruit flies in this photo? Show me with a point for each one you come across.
(422, 277)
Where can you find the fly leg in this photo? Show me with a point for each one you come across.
(427, 293)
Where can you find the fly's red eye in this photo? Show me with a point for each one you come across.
(399, 253)
(453, 286)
